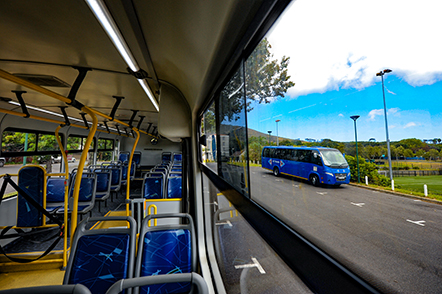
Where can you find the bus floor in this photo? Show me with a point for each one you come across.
(48, 270)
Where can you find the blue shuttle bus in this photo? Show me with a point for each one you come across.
(319, 165)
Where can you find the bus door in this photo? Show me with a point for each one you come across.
(292, 166)
(304, 163)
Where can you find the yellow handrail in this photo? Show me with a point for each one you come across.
(66, 196)
(79, 175)
(129, 169)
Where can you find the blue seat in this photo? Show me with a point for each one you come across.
(166, 157)
(153, 186)
(166, 249)
(177, 157)
(174, 186)
(55, 191)
(86, 195)
(137, 158)
(31, 179)
(115, 177)
(100, 257)
(103, 191)
(124, 156)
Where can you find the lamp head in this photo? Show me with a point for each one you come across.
(387, 70)
(379, 74)
(355, 117)
(278, 120)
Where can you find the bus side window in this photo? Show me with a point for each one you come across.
(266, 152)
(316, 158)
(295, 155)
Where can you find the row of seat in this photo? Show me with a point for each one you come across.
(164, 181)
(97, 184)
(100, 257)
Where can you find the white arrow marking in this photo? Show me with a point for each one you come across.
(254, 264)
(321, 193)
(226, 223)
(358, 204)
(420, 223)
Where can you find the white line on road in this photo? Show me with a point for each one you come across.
(322, 193)
(358, 204)
(225, 223)
(254, 264)
(420, 223)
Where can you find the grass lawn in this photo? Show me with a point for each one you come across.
(434, 183)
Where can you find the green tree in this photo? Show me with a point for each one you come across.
(368, 169)
(286, 142)
(266, 78)
(408, 153)
(255, 147)
(433, 154)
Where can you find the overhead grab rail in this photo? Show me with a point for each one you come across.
(7, 76)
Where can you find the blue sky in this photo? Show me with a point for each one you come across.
(336, 48)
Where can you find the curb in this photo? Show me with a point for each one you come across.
(398, 193)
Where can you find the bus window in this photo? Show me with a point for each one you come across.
(233, 133)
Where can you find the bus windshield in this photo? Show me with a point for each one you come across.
(334, 158)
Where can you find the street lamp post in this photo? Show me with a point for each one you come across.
(381, 74)
(354, 118)
(269, 136)
(277, 134)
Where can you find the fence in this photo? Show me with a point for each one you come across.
(411, 173)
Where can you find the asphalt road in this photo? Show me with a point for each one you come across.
(395, 243)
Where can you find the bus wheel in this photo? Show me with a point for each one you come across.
(276, 171)
(314, 180)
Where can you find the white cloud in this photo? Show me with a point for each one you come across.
(341, 115)
(344, 43)
(409, 125)
(375, 112)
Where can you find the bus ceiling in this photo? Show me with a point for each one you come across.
(167, 45)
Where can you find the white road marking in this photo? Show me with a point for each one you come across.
(225, 223)
(358, 204)
(420, 223)
(322, 193)
(254, 264)
(417, 200)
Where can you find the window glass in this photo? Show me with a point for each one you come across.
(76, 143)
(208, 128)
(345, 77)
(246, 262)
(232, 134)
(14, 141)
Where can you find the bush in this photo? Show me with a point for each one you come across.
(366, 169)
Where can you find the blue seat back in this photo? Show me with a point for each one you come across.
(87, 187)
(101, 257)
(55, 190)
(32, 180)
(103, 180)
(166, 249)
(166, 157)
(124, 156)
(174, 187)
(137, 158)
(177, 157)
(153, 187)
(166, 252)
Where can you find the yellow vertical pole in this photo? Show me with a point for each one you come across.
(66, 195)
(79, 175)
(130, 167)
